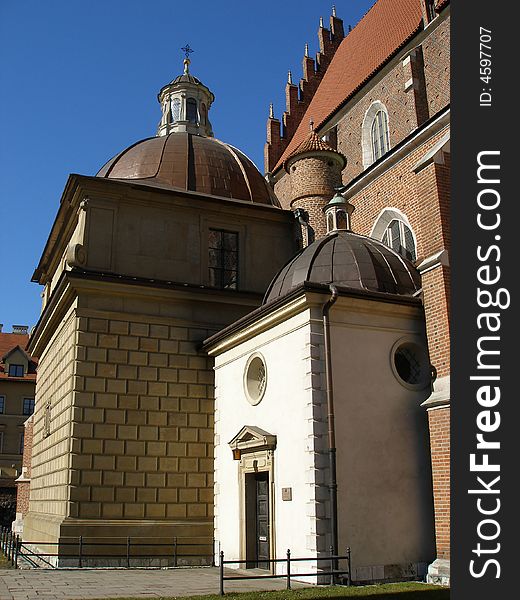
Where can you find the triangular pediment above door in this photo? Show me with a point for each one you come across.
(251, 438)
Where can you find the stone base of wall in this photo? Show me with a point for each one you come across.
(119, 543)
(439, 572)
(389, 573)
(17, 526)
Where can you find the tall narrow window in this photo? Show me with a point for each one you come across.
(379, 133)
(28, 406)
(2, 405)
(1, 442)
(203, 113)
(191, 110)
(47, 420)
(223, 259)
(20, 450)
(176, 110)
(430, 10)
(399, 237)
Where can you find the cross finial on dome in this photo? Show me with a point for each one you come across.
(187, 51)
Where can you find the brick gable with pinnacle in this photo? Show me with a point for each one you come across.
(298, 97)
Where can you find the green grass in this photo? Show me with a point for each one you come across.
(4, 563)
(388, 591)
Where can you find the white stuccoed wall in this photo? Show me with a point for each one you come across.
(286, 411)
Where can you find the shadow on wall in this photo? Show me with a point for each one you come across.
(7, 506)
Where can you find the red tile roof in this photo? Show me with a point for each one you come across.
(8, 341)
(312, 143)
(385, 27)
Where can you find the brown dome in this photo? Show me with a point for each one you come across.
(347, 260)
(194, 163)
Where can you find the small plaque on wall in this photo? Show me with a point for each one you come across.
(287, 494)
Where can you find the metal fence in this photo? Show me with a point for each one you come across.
(127, 552)
(10, 545)
(332, 573)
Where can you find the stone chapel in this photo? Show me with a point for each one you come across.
(248, 363)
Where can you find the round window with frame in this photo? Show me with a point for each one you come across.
(255, 378)
(410, 364)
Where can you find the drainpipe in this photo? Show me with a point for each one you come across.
(333, 486)
(302, 217)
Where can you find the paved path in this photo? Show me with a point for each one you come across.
(76, 584)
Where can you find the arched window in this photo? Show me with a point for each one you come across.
(176, 110)
(379, 135)
(191, 110)
(203, 113)
(399, 237)
(393, 229)
(375, 137)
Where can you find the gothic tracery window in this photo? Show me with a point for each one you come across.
(379, 135)
(375, 133)
(399, 237)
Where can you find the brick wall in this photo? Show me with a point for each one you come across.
(23, 483)
(312, 182)
(439, 421)
(408, 106)
(436, 52)
(298, 97)
(402, 118)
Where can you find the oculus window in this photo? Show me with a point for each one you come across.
(255, 379)
(223, 259)
(411, 365)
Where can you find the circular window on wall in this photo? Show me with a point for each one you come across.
(410, 364)
(255, 378)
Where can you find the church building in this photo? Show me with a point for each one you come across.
(247, 362)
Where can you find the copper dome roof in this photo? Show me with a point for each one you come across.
(347, 260)
(193, 163)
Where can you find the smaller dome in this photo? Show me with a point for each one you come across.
(311, 145)
(347, 260)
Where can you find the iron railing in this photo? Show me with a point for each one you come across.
(332, 572)
(126, 552)
(10, 545)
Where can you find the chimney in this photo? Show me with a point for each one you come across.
(21, 329)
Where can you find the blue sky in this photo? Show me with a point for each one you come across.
(79, 80)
